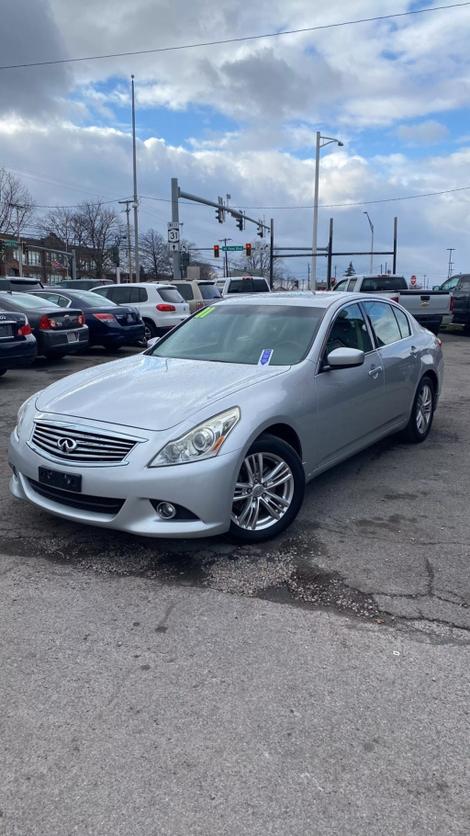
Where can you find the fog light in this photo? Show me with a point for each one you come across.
(166, 510)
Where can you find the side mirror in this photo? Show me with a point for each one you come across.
(153, 341)
(343, 358)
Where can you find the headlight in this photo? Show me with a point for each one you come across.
(202, 442)
(21, 414)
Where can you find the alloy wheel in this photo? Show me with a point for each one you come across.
(424, 407)
(263, 492)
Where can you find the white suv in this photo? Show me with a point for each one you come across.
(160, 304)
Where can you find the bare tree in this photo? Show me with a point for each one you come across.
(154, 255)
(101, 229)
(16, 203)
(258, 263)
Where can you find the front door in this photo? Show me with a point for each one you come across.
(349, 402)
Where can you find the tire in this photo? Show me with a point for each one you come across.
(256, 518)
(422, 414)
(150, 329)
(2, 372)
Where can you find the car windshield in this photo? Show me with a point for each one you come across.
(372, 285)
(248, 334)
(209, 291)
(28, 302)
(248, 285)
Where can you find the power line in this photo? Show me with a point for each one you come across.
(240, 39)
(333, 205)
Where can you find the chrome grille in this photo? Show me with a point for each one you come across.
(71, 444)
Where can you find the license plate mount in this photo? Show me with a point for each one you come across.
(72, 337)
(64, 481)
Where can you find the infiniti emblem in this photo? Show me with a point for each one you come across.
(67, 445)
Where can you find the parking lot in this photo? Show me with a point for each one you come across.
(317, 683)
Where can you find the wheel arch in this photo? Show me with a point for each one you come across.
(286, 433)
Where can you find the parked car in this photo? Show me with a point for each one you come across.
(19, 284)
(108, 324)
(82, 284)
(17, 342)
(57, 333)
(160, 305)
(460, 300)
(198, 293)
(427, 306)
(245, 284)
(242, 404)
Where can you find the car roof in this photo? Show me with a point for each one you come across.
(300, 299)
(136, 284)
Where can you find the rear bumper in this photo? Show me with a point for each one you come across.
(102, 334)
(461, 319)
(57, 341)
(18, 354)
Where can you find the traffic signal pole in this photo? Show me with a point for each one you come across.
(175, 218)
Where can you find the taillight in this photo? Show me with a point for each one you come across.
(45, 323)
(104, 317)
(81, 319)
(439, 342)
(25, 330)
(166, 308)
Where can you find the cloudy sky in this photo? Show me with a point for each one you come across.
(240, 118)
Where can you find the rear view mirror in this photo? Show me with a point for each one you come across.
(342, 358)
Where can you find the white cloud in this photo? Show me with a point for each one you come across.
(423, 133)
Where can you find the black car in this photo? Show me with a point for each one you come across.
(109, 324)
(20, 283)
(460, 300)
(17, 343)
(57, 332)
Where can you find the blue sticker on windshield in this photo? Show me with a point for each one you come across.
(265, 358)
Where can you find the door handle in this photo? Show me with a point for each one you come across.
(375, 371)
(413, 350)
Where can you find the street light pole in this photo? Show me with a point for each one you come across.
(371, 268)
(320, 142)
(136, 200)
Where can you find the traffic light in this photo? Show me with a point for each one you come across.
(260, 230)
(247, 249)
(216, 251)
(219, 214)
(115, 255)
(241, 223)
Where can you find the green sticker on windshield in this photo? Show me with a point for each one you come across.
(204, 312)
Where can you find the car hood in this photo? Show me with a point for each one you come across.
(147, 392)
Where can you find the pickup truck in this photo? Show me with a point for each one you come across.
(460, 299)
(427, 306)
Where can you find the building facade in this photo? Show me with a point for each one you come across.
(45, 258)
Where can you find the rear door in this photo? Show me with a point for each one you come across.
(396, 344)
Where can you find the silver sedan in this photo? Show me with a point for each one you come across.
(219, 425)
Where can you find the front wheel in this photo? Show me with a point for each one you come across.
(150, 329)
(422, 413)
(269, 490)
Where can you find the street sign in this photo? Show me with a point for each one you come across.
(173, 235)
(232, 249)
(9, 243)
(174, 246)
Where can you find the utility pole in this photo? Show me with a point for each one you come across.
(371, 266)
(450, 250)
(17, 207)
(176, 220)
(320, 142)
(127, 210)
(271, 254)
(136, 200)
(225, 255)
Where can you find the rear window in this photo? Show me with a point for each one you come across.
(20, 285)
(377, 283)
(186, 291)
(170, 294)
(137, 294)
(27, 302)
(248, 286)
(209, 291)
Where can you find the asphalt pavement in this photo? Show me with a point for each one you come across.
(316, 685)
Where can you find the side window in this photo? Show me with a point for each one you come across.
(403, 323)
(451, 283)
(383, 322)
(342, 285)
(119, 294)
(136, 294)
(104, 291)
(352, 284)
(349, 330)
(186, 291)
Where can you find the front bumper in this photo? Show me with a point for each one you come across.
(204, 488)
